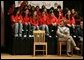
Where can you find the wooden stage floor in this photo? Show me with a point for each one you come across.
(8, 56)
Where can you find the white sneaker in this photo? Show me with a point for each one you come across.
(47, 34)
(20, 35)
(22, 30)
(29, 35)
(25, 35)
(26, 30)
(52, 30)
(69, 55)
(50, 36)
(74, 36)
(16, 35)
(56, 36)
(77, 48)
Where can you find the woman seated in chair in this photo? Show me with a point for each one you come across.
(63, 32)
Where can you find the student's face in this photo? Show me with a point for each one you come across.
(45, 10)
(59, 10)
(33, 8)
(35, 13)
(29, 7)
(27, 11)
(26, 7)
(43, 13)
(69, 12)
(81, 24)
(73, 11)
(52, 14)
(18, 12)
(37, 8)
(43, 6)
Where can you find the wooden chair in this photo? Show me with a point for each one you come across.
(62, 42)
(39, 39)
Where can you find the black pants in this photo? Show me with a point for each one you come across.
(52, 30)
(26, 29)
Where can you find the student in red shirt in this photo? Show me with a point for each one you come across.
(38, 11)
(70, 19)
(59, 13)
(52, 19)
(34, 20)
(52, 23)
(26, 21)
(70, 23)
(16, 20)
(43, 22)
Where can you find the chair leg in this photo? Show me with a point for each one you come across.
(34, 50)
(60, 49)
(78, 52)
(46, 49)
(81, 50)
(43, 49)
(72, 50)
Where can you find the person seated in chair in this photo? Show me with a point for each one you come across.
(64, 32)
(80, 33)
(73, 32)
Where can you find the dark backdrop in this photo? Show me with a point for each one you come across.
(77, 5)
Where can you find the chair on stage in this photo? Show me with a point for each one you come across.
(60, 44)
(39, 39)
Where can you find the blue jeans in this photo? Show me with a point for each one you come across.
(18, 28)
(45, 27)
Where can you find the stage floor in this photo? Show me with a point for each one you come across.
(8, 56)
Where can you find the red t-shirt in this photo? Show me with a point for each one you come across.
(60, 15)
(26, 19)
(71, 21)
(43, 20)
(34, 22)
(52, 19)
(16, 19)
(38, 13)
